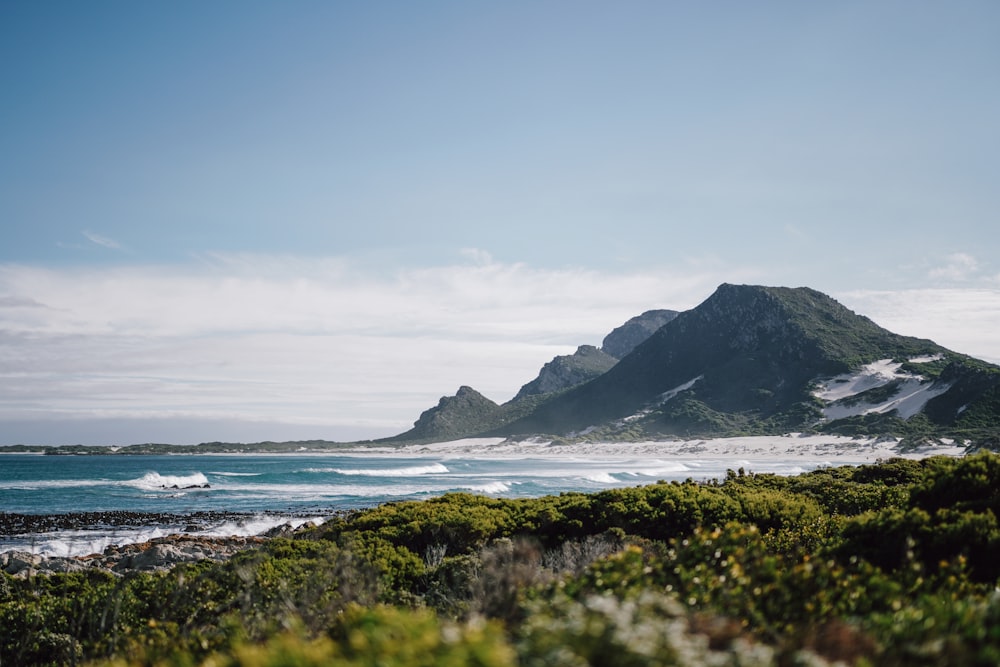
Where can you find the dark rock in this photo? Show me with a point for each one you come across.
(630, 335)
(456, 416)
(568, 371)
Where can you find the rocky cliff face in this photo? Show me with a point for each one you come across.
(568, 371)
(589, 362)
(620, 342)
(746, 360)
(744, 357)
(456, 416)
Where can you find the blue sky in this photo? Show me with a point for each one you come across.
(257, 220)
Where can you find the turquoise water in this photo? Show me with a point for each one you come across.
(176, 484)
(270, 490)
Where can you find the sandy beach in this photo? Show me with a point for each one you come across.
(839, 450)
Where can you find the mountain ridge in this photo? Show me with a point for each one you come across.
(748, 360)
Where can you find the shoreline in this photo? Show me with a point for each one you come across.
(46, 540)
(844, 450)
(786, 445)
(20, 523)
(160, 553)
(76, 534)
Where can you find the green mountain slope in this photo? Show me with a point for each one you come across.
(745, 360)
(753, 360)
(749, 350)
(465, 413)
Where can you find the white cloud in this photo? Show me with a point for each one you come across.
(958, 267)
(963, 320)
(103, 241)
(288, 347)
(477, 255)
(285, 340)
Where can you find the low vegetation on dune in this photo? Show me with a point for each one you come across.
(895, 563)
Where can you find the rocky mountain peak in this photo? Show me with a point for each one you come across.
(568, 371)
(748, 359)
(455, 416)
(628, 336)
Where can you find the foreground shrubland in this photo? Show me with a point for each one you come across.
(889, 564)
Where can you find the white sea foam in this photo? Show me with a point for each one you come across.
(32, 485)
(82, 542)
(601, 478)
(237, 474)
(492, 487)
(662, 468)
(409, 471)
(154, 481)
(257, 525)
(68, 543)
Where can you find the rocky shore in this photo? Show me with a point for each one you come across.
(160, 553)
(20, 524)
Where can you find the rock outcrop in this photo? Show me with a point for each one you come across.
(633, 333)
(568, 371)
(159, 554)
(456, 416)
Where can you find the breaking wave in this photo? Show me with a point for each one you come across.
(409, 471)
(601, 478)
(154, 481)
(664, 468)
(491, 487)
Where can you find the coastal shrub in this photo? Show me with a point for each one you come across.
(52, 619)
(648, 630)
(662, 511)
(891, 472)
(894, 538)
(497, 580)
(450, 586)
(847, 497)
(971, 483)
(393, 637)
(952, 514)
(462, 521)
(554, 520)
(255, 594)
(396, 569)
(939, 629)
(360, 637)
(769, 509)
(733, 573)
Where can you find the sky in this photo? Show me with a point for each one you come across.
(248, 221)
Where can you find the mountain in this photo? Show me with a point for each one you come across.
(756, 360)
(456, 416)
(620, 342)
(569, 370)
(469, 412)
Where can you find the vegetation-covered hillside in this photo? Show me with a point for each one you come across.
(749, 360)
(888, 564)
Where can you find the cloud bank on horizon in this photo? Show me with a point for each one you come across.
(249, 348)
(243, 222)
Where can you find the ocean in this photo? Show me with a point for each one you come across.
(248, 494)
